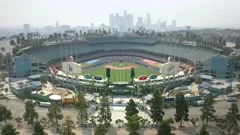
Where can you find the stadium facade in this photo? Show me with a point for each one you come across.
(37, 59)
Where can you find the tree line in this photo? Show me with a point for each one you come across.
(228, 125)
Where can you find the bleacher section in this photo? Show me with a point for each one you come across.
(139, 40)
(45, 54)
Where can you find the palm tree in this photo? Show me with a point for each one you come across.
(59, 36)
(65, 35)
(18, 40)
(12, 42)
(113, 30)
(129, 30)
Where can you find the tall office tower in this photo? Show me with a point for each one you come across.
(123, 23)
(125, 13)
(92, 25)
(158, 25)
(26, 27)
(128, 21)
(148, 21)
(139, 22)
(174, 23)
(57, 25)
(164, 25)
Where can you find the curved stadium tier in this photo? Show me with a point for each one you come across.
(106, 45)
(135, 50)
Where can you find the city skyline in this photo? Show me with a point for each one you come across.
(202, 13)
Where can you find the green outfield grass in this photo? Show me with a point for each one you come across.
(120, 75)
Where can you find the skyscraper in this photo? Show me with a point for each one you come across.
(26, 27)
(121, 22)
(174, 23)
(125, 13)
(148, 21)
(163, 25)
(92, 25)
(57, 25)
(139, 22)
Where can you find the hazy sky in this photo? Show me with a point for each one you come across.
(38, 13)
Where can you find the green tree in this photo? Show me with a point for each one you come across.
(50, 37)
(5, 114)
(76, 34)
(181, 108)
(65, 35)
(6, 90)
(18, 40)
(80, 33)
(203, 130)
(229, 89)
(15, 50)
(198, 80)
(38, 129)
(19, 121)
(44, 122)
(93, 120)
(131, 108)
(12, 42)
(8, 129)
(67, 127)
(100, 130)
(194, 121)
(44, 78)
(133, 124)
(208, 111)
(30, 114)
(1, 87)
(118, 122)
(230, 123)
(82, 106)
(156, 106)
(55, 35)
(164, 128)
(54, 115)
(59, 36)
(3, 49)
(104, 116)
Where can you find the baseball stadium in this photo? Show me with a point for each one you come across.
(120, 54)
(120, 63)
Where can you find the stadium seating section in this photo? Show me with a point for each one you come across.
(45, 54)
